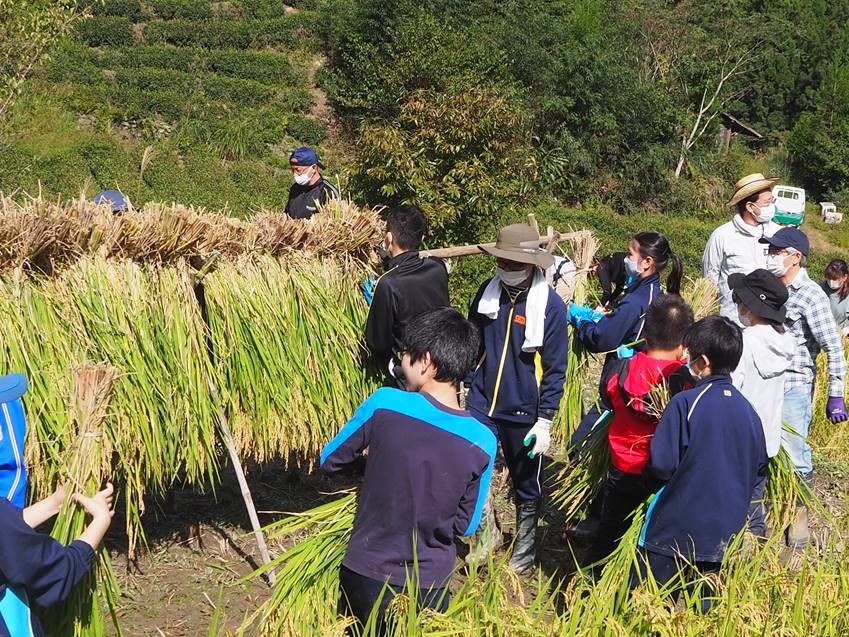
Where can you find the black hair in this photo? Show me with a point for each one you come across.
(741, 205)
(668, 320)
(452, 342)
(837, 268)
(717, 338)
(408, 226)
(656, 246)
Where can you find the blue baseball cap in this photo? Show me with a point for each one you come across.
(789, 238)
(113, 198)
(304, 156)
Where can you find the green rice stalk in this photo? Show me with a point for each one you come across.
(89, 460)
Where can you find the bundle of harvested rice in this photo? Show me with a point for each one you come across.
(88, 463)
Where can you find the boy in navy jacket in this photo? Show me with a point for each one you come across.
(706, 455)
(427, 472)
(517, 386)
(35, 568)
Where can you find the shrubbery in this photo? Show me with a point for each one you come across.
(188, 9)
(105, 31)
(127, 8)
(305, 130)
(261, 66)
(227, 34)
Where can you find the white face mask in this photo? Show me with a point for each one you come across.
(775, 264)
(744, 316)
(514, 278)
(631, 267)
(304, 178)
(834, 284)
(766, 213)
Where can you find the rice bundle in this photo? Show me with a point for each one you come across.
(700, 295)
(583, 247)
(287, 339)
(42, 235)
(88, 463)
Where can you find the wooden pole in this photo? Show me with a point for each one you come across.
(468, 250)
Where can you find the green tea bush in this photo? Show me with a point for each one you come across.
(159, 56)
(262, 66)
(231, 89)
(297, 100)
(188, 9)
(227, 34)
(262, 8)
(152, 79)
(105, 31)
(127, 8)
(305, 129)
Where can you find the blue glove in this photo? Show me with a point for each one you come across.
(367, 287)
(623, 351)
(577, 315)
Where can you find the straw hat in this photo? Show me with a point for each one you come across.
(749, 185)
(520, 243)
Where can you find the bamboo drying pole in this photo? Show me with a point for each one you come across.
(475, 248)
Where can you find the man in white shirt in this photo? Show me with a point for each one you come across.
(733, 247)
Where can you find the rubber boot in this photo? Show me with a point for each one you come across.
(486, 539)
(797, 533)
(524, 546)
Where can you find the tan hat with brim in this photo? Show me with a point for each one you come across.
(519, 243)
(750, 185)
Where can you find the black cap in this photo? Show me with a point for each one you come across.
(762, 293)
(789, 238)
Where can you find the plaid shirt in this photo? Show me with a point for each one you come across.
(812, 325)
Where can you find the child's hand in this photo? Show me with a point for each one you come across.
(56, 499)
(99, 506)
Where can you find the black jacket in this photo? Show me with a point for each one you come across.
(302, 199)
(612, 277)
(409, 287)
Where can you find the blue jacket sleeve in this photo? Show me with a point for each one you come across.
(610, 332)
(47, 569)
(471, 505)
(555, 355)
(346, 447)
(670, 442)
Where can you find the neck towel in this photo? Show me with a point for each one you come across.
(534, 308)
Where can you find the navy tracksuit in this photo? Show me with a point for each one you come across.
(426, 478)
(622, 326)
(511, 388)
(707, 453)
(34, 569)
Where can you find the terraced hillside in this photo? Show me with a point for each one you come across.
(184, 100)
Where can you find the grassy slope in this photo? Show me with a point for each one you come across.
(218, 93)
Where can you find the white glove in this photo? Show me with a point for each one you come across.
(538, 438)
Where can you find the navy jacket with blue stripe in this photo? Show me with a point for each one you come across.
(708, 451)
(506, 385)
(34, 569)
(427, 475)
(625, 324)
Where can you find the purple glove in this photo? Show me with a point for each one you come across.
(835, 409)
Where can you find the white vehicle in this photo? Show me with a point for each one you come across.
(789, 205)
(829, 212)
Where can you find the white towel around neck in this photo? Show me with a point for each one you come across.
(534, 308)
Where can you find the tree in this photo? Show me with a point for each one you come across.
(28, 28)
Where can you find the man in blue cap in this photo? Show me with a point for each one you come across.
(115, 199)
(812, 325)
(310, 188)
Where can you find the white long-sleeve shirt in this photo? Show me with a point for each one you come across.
(733, 247)
(759, 376)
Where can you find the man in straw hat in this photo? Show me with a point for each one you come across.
(733, 247)
(518, 383)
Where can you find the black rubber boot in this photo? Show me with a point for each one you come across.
(524, 546)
